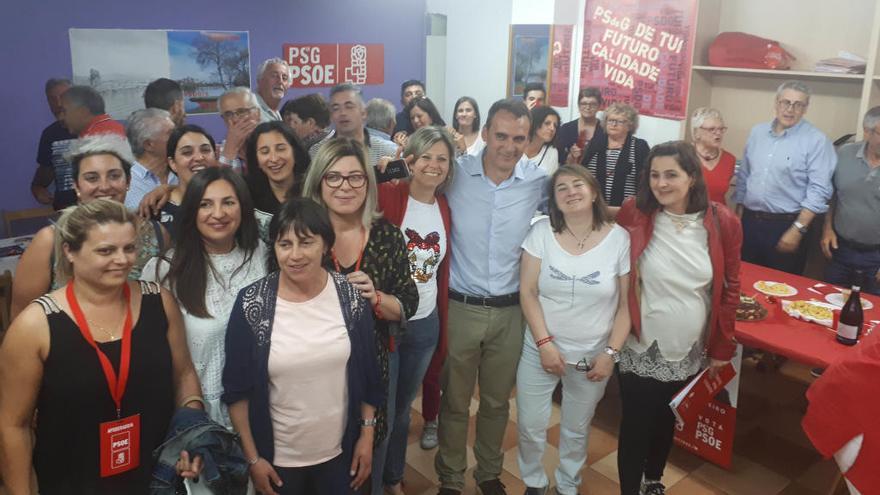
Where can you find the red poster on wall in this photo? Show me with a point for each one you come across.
(560, 65)
(639, 52)
(318, 65)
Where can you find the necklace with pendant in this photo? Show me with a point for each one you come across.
(580, 242)
(679, 222)
(709, 158)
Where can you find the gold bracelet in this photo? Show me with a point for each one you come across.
(194, 398)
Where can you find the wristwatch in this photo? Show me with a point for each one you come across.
(614, 353)
(800, 227)
(368, 422)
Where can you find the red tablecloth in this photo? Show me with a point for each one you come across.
(779, 333)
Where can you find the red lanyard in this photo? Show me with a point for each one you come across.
(115, 382)
(357, 266)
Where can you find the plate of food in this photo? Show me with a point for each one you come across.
(839, 299)
(815, 311)
(770, 288)
(749, 309)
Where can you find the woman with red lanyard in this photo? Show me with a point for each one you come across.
(103, 359)
(683, 293)
(371, 252)
(419, 208)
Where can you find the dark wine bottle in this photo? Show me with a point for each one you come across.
(849, 326)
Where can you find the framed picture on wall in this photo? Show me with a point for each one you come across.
(119, 63)
(528, 57)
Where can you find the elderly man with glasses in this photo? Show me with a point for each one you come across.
(240, 111)
(783, 183)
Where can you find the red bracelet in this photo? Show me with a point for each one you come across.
(376, 310)
(543, 341)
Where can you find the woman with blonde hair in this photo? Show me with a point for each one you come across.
(369, 251)
(707, 130)
(102, 354)
(419, 209)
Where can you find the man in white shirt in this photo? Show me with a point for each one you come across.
(273, 81)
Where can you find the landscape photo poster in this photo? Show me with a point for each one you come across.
(119, 63)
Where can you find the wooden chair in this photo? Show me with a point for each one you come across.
(32, 218)
(5, 300)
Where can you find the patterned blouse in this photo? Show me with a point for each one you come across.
(385, 262)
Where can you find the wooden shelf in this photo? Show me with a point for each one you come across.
(786, 74)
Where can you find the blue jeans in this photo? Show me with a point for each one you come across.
(406, 369)
(845, 261)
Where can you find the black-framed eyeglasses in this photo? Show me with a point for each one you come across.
(335, 180)
(583, 366)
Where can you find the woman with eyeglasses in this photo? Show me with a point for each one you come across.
(617, 157)
(369, 251)
(541, 150)
(707, 129)
(574, 136)
(573, 285)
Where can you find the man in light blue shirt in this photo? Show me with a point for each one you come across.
(492, 199)
(783, 183)
(148, 132)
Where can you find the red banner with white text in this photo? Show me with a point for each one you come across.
(319, 65)
(708, 428)
(639, 52)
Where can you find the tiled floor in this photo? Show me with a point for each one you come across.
(772, 456)
(771, 453)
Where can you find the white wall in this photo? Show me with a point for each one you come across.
(477, 37)
(477, 33)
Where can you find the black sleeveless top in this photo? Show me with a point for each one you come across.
(74, 399)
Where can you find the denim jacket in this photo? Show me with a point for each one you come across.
(246, 373)
(224, 468)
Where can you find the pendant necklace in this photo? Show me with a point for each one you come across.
(580, 242)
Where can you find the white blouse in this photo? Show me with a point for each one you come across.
(206, 337)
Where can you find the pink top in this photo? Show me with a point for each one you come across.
(308, 395)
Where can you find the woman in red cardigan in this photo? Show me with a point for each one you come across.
(683, 293)
(419, 208)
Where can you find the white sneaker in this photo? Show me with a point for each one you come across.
(429, 435)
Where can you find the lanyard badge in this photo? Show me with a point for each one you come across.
(119, 440)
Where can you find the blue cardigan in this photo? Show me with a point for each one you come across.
(246, 373)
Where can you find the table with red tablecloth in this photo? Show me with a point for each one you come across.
(779, 333)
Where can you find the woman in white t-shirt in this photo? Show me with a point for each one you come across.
(419, 209)
(572, 278)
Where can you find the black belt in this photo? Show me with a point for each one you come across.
(857, 246)
(487, 302)
(763, 215)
